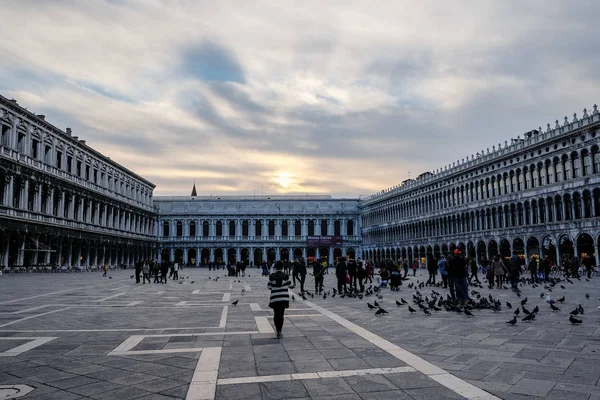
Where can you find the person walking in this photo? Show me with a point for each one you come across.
(405, 268)
(138, 270)
(473, 266)
(279, 282)
(164, 271)
(146, 272)
(588, 262)
(352, 273)
(515, 270)
(499, 270)
(533, 269)
(443, 272)
(361, 275)
(415, 266)
(574, 265)
(176, 271)
(458, 272)
(105, 267)
(368, 272)
(341, 270)
(432, 268)
(300, 272)
(318, 275)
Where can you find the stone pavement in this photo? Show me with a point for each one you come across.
(78, 335)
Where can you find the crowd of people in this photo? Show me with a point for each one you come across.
(145, 270)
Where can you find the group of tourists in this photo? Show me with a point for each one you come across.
(146, 269)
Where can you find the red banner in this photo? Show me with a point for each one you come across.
(323, 241)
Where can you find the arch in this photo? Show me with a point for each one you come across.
(204, 256)
(445, 249)
(271, 255)
(178, 256)
(493, 248)
(549, 248)
(565, 247)
(481, 250)
(351, 253)
(165, 227)
(231, 256)
(585, 246)
(297, 253)
(323, 253)
(219, 259)
(191, 257)
(245, 255)
(533, 246)
(232, 226)
(164, 255)
(505, 248)
(219, 230)
(311, 252)
(436, 251)
(284, 254)
(518, 246)
(179, 229)
(258, 256)
(205, 231)
(471, 253)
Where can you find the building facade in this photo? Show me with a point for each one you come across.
(539, 194)
(197, 230)
(63, 203)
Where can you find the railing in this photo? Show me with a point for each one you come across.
(257, 197)
(242, 238)
(48, 169)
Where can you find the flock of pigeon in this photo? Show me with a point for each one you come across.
(426, 303)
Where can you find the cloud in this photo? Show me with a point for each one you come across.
(342, 98)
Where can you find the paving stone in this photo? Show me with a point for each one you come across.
(329, 386)
(437, 392)
(409, 380)
(532, 387)
(73, 382)
(369, 383)
(122, 393)
(246, 391)
(94, 388)
(283, 390)
(386, 395)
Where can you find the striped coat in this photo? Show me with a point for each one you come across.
(278, 284)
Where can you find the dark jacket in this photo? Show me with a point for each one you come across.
(514, 265)
(457, 268)
(341, 269)
(351, 267)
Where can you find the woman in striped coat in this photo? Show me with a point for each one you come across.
(279, 282)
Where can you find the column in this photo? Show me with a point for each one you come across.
(25, 196)
(172, 254)
(198, 255)
(237, 254)
(330, 260)
(573, 208)
(185, 255)
(21, 255)
(36, 242)
(304, 227)
(78, 252)
(212, 254)
(278, 228)
(8, 200)
(330, 229)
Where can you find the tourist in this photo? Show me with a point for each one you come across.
(352, 273)
(457, 270)
(318, 275)
(279, 283)
(533, 269)
(514, 270)
(155, 268)
(300, 273)
(499, 270)
(146, 272)
(405, 268)
(415, 266)
(432, 268)
(164, 270)
(361, 275)
(105, 267)
(341, 270)
(588, 262)
(443, 271)
(575, 267)
(473, 266)
(138, 270)
(176, 271)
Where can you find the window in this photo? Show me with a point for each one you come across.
(165, 228)
(311, 228)
(34, 148)
(284, 228)
(59, 160)
(258, 227)
(78, 169)
(297, 228)
(21, 142)
(179, 228)
(95, 176)
(245, 228)
(271, 228)
(5, 135)
(350, 228)
(231, 228)
(219, 229)
(192, 228)
(205, 229)
(337, 228)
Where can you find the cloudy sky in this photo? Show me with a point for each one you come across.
(341, 97)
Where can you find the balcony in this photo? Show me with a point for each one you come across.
(214, 239)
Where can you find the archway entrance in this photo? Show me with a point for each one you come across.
(245, 256)
(297, 253)
(337, 253)
(258, 256)
(481, 250)
(549, 249)
(311, 252)
(178, 256)
(445, 249)
(351, 253)
(533, 246)
(585, 246)
(219, 256)
(231, 256)
(205, 256)
(519, 246)
(505, 248)
(324, 253)
(271, 255)
(492, 248)
(566, 248)
(284, 255)
(192, 257)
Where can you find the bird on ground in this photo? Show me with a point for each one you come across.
(526, 311)
(293, 298)
(376, 304)
(524, 301)
(580, 309)
(191, 282)
(412, 310)
(371, 306)
(542, 295)
(468, 313)
(110, 277)
(324, 296)
(508, 305)
(398, 303)
(517, 311)
(235, 303)
(575, 312)
(562, 287)
(512, 321)
(561, 299)
(554, 308)
(304, 297)
(535, 310)
(131, 277)
(574, 320)
(529, 317)
(381, 311)
(426, 311)
(587, 295)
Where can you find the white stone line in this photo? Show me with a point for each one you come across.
(263, 325)
(14, 391)
(128, 344)
(201, 334)
(41, 295)
(314, 375)
(26, 346)
(223, 321)
(453, 383)
(133, 330)
(134, 303)
(119, 288)
(247, 288)
(204, 381)
(230, 285)
(255, 307)
(200, 291)
(110, 297)
(31, 309)
(181, 303)
(226, 297)
(163, 351)
(33, 316)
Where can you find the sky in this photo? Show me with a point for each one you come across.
(322, 97)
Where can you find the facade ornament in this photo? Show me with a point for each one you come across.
(557, 126)
(575, 117)
(540, 129)
(493, 148)
(488, 150)
(566, 121)
(505, 143)
(595, 110)
(585, 114)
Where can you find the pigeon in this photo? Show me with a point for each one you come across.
(371, 306)
(403, 301)
(554, 308)
(381, 311)
(398, 303)
(542, 295)
(235, 303)
(508, 305)
(512, 321)
(426, 311)
(580, 309)
(575, 312)
(561, 299)
(562, 287)
(574, 320)
(468, 313)
(293, 298)
(529, 317)
(131, 277)
(524, 301)
(526, 311)
(412, 310)
(376, 304)
(304, 297)
(110, 277)
(587, 295)
(517, 311)
(535, 310)
(191, 282)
